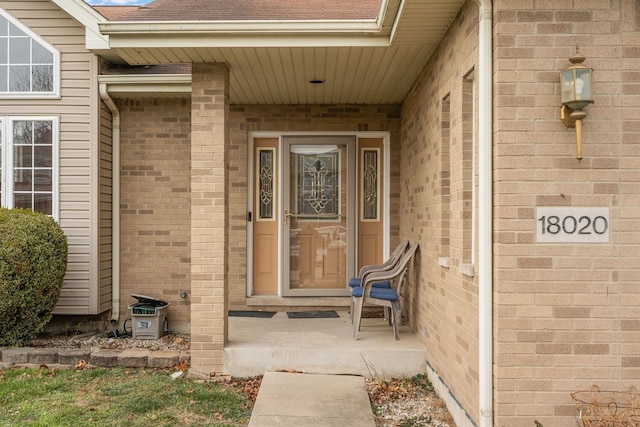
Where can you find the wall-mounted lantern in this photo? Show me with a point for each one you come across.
(577, 93)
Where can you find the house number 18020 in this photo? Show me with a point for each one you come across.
(565, 225)
(570, 224)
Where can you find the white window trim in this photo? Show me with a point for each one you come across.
(6, 141)
(55, 93)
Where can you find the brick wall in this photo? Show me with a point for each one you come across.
(435, 193)
(155, 203)
(566, 314)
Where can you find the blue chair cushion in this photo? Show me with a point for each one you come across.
(380, 293)
(357, 281)
(385, 294)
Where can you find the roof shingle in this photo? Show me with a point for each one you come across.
(113, 13)
(244, 10)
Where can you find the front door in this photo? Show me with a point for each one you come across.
(316, 212)
(318, 215)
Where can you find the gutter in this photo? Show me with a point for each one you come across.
(340, 26)
(115, 204)
(485, 237)
(147, 83)
(249, 34)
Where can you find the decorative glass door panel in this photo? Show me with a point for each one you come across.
(318, 216)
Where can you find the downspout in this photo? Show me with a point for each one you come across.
(115, 203)
(485, 238)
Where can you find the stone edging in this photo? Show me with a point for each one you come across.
(69, 358)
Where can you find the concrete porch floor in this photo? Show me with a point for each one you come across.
(321, 346)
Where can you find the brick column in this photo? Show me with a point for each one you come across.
(209, 217)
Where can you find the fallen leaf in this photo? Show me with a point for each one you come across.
(183, 366)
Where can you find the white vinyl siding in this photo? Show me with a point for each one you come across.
(78, 148)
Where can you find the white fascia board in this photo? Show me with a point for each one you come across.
(140, 83)
(143, 78)
(87, 16)
(151, 28)
(95, 40)
(142, 41)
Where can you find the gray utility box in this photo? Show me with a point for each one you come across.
(148, 317)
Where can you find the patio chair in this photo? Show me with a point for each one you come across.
(388, 264)
(389, 298)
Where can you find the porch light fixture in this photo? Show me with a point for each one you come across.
(577, 93)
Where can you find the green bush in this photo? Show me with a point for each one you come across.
(33, 262)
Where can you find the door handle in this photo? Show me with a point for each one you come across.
(286, 216)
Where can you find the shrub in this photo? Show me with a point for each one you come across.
(33, 262)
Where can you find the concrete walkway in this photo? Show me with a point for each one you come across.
(290, 399)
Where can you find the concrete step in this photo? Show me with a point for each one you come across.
(321, 346)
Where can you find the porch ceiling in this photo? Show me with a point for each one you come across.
(272, 62)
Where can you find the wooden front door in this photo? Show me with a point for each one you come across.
(317, 213)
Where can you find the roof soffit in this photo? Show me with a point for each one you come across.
(273, 61)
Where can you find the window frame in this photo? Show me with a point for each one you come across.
(55, 92)
(7, 166)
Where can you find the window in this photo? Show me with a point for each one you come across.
(266, 183)
(445, 181)
(28, 65)
(29, 163)
(468, 166)
(318, 190)
(370, 184)
(468, 160)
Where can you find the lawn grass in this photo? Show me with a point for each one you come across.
(116, 397)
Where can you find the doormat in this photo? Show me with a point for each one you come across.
(247, 313)
(312, 314)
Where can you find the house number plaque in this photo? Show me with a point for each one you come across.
(572, 225)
